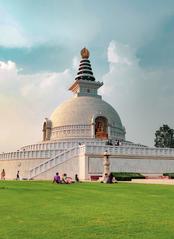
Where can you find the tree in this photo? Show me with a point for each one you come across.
(164, 137)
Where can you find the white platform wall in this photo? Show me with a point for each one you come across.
(156, 166)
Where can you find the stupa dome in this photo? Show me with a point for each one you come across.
(82, 110)
(76, 117)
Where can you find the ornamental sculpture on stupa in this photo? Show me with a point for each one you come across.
(85, 53)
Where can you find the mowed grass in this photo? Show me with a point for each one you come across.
(42, 210)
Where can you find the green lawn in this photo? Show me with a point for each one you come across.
(42, 210)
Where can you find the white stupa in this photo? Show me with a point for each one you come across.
(77, 136)
(85, 115)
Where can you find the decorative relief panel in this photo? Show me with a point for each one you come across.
(71, 131)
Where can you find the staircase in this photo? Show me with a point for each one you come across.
(54, 161)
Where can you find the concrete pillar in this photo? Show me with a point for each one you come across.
(106, 164)
(83, 167)
(93, 130)
(109, 132)
(83, 164)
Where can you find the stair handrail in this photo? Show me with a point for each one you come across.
(53, 161)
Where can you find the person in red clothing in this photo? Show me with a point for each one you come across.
(65, 179)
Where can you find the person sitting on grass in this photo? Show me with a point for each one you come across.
(69, 180)
(65, 179)
(64, 176)
(56, 178)
(114, 180)
(104, 179)
(110, 178)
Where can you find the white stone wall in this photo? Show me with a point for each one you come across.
(131, 165)
(71, 131)
(143, 165)
(12, 166)
(95, 165)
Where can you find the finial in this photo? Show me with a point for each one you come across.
(85, 53)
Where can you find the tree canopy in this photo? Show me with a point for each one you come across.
(164, 137)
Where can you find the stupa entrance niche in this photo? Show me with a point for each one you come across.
(101, 128)
(46, 129)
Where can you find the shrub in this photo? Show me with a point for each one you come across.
(170, 175)
(123, 178)
(126, 176)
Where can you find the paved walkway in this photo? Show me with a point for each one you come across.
(153, 181)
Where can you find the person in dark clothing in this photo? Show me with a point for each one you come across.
(76, 178)
(17, 176)
(110, 178)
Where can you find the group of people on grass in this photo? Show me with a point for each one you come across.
(64, 179)
(108, 178)
(68, 180)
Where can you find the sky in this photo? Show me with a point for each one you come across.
(131, 51)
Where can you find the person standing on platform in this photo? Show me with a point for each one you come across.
(3, 174)
(17, 175)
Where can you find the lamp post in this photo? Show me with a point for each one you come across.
(106, 163)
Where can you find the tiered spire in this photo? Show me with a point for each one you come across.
(85, 84)
(85, 70)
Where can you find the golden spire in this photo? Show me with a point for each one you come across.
(85, 53)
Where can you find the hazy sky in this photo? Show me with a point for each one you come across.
(132, 52)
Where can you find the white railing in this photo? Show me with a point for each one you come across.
(29, 154)
(54, 145)
(62, 144)
(56, 160)
(48, 150)
(130, 151)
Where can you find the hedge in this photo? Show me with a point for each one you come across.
(170, 175)
(126, 176)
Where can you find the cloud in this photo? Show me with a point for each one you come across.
(75, 62)
(25, 100)
(120, 54)
(158, 51)
(7, 66)
(8, 71)
(142, 97)
(39, 57)
(12, 34)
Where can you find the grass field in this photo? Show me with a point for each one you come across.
(42, 210)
